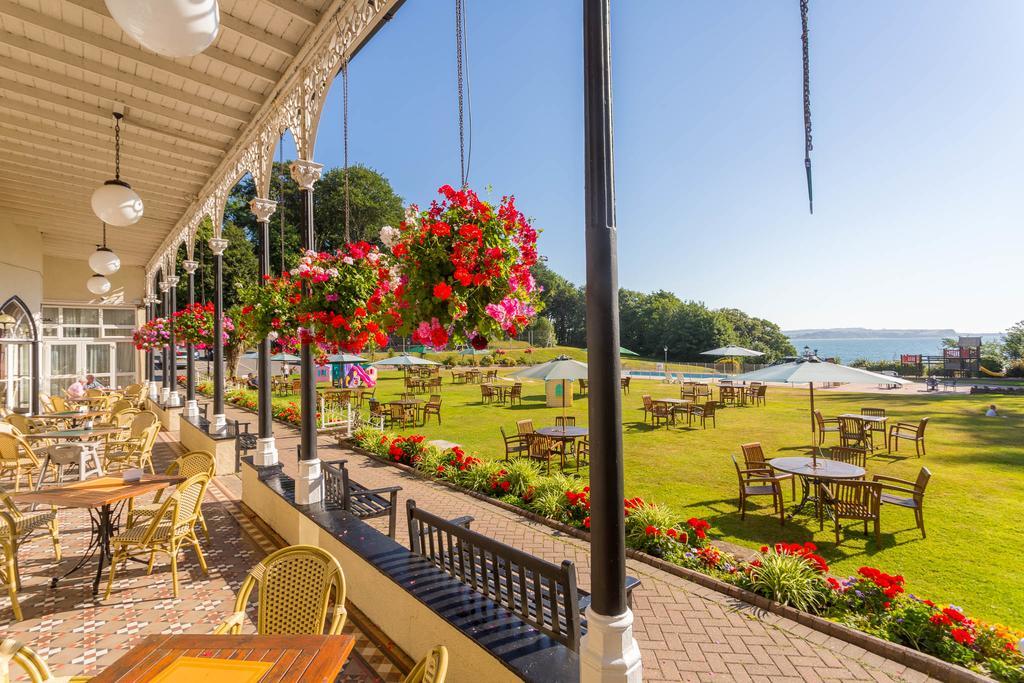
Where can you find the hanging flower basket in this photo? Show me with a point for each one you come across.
(344, 300)
(152, 335)
(194, 325)
(464, 270)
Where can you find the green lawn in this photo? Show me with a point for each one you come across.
(974, 504)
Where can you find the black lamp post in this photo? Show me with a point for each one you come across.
(191, 407)
(217, 246)
(266, 451)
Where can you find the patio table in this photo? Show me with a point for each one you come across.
(500, 390)
(103, 498)
(678, 405)
(306, 658)
(733, 393)
(563, 433)
(814, 471)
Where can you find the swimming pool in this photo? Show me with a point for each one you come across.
(654, 374)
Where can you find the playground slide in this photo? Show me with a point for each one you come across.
(367, 377)
(988, 372)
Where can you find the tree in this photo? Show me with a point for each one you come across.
(564, 304)
(1013, 342)
(542, 332)
(759, 334)
(238, 341)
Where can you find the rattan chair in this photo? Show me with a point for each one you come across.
(860, 500)
(913, 494)
(135, 449)
(753, 458)
(825, 426)
(759, 482)
(188, 465)
(23, 424)
(167, 531)
(15, 526)
(18, 458)
(14, 654)
(295, 594)
(433, 668)
(909, 432)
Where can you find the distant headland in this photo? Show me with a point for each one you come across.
(868, 333)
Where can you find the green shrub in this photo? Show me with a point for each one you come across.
(549, 503)
(785, 578)
(481, 477)
(522, 476)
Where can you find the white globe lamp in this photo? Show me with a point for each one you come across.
(104, 261)
(98, 284)
(115, 202)
(172, 28)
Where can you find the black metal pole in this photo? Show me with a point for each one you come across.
(165, 375)
(150, 356)
(218, 245)
(190, 362)
(308, 376)
(607, 527)
(172, 296)
(36, 371)
(266, 421)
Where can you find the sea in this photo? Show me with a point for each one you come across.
(848, 350)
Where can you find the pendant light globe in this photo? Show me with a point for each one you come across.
(172, 28)
(98, 284)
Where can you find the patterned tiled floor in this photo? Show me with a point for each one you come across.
(686, 632)
(79, 633)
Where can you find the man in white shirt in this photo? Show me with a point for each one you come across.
(91, 383)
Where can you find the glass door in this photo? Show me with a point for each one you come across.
(62, 366)
(99, 361)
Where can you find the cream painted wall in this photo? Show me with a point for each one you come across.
(65, 282)
(21, 262)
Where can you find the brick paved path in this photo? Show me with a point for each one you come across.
(686, 632)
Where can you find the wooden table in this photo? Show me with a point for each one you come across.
(500, 390)
(678, 405)
(309, 659)
(814, 471)
(732, 392)
(103, 498)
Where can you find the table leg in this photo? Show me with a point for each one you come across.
(805, 489)
(105, 531)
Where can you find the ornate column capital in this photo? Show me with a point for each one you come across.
(165, 286)
(150, 299)
(262, 208)
(190, 266)
(218, 245)
(172, 281)
(306, 173)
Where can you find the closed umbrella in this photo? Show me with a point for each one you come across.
(812, 369)
(732, 351)
(405, 360)
(623, 351)
(345, 358)
(284, 357)
(562, 369)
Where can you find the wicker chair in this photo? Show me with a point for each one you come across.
(759, 482)
(431, 407)
(188, 465)
(19, 459)
(704, 413)
(433, 668)
(825, 426)
(909, 432)
(12, 652)
(15, 526)
(860, 500)
(167, 531)
(23, 424)
(913, 494)
(136, 449)
(753, 458)
(294, 594)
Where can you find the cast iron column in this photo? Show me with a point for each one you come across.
(173, 399)
(266, 450)
(151, 301)
(217, 246)
(608, 652)
(165, 377)
(191, 407)
(309, 484)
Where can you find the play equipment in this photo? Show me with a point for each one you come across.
(359, 376)
(990, 373)
(963, 360)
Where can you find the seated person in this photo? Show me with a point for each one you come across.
(991, 412)
(251, 382)
(76, 390)
(92, 383)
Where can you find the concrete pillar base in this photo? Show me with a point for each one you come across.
(174, 398)
(608, 652)
(191, 408)
(165, 394)
(154, 391)
(219, 421)
(266, 452)
(309, 485)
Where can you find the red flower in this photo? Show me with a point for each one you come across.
(478, 342)
(505, 485)
(439, 337)
(442, 290)
(586, 525)
(962, 636)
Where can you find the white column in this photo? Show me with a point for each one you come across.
(608, 652)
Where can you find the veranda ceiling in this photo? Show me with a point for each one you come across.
(65, 65)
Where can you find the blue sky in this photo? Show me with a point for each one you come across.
(916, 108)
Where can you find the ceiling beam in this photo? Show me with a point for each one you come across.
(46, 186)
(296, 9)
(232, 23)
(139, 103)
(116, 47)
(105, 114)
(188, 153)
(44, 173)
(142, 185)
(63, 204)
(34, 47)
(56, 139)
(83, 219)
(242, 64)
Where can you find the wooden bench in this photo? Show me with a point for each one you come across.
(340, 492)
(541, 593)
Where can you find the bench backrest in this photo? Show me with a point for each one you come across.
(541, 593)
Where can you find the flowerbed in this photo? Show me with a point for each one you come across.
(872, 601)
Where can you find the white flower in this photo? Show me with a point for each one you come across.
(389, 236)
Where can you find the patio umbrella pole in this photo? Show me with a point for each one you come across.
(814, 442)
(608, 652)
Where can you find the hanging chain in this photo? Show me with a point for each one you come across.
(460, 13)
(344, 136)
(280, 195)
(117, 146)
(808, 142)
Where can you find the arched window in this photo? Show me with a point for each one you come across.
(17, 332)
(16, 322)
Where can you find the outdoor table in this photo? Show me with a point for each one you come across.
(500, 390)
(306, 658)
(678, 405)
(814, 472)
(734, 393)
(82, 455)
(103, 498)
(563, 433)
